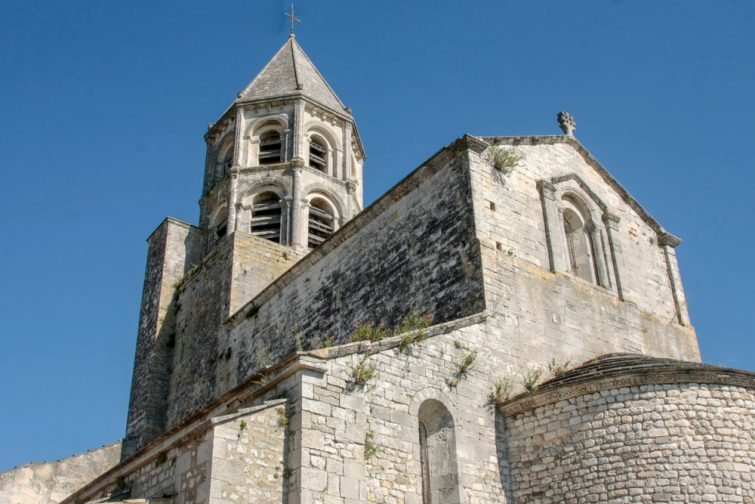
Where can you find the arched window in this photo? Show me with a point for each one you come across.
(437, 443)
(266, 216)
(321, 222)
(579, 244)
(318, 153)
(224, 160)
(270, 148)
(219, 222)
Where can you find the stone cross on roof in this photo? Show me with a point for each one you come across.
(292, 17)
(567, 123)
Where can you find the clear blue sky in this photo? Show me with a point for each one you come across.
(104, 104)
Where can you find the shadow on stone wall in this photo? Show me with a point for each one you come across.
(502, 452)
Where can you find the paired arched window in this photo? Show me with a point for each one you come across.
(270, 148)
(266, 216)
(318, 153)
(322, 222)
(580, 244)
(437, 443)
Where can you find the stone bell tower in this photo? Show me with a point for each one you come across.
(284, 162)
(283, 172)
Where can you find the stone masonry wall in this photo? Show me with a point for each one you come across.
(51, 482)
(574, 319)
(181, 473)
(651, 443)
(249, 457)
(413, 251)
(173, 247)
(201, 307)
(360, 443)
(517, 222)
(256, 264)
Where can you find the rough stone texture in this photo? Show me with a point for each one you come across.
(181, 472)
(291, 71)
(686, 442)
(51, 482)
(249, 456)
(173, 248)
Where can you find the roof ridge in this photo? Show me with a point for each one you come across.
(291, 41)
(317, 71)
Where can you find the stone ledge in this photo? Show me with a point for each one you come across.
(395, 341)
(625, 370)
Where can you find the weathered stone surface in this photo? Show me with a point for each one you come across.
(248, 387)
(51, 482)
(679, 442)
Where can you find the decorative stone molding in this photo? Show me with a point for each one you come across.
(590, 379)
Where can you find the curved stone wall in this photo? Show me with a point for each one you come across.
(673, 442)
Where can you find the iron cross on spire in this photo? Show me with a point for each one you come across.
(292, 16)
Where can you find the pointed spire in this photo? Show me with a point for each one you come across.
(292, 72)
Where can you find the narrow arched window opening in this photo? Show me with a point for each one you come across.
(266, 216)
(437, 443)
(321, 222)
(219, 222)
(224, 160)
(318, 154)
(270, 148)
(580, 247)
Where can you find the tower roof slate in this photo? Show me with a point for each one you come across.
(291, 72)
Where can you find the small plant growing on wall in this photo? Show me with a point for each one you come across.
(501, 392)
(463, 368)
(413, 329)
(503, 160)
(531, 378)
(242, 426)
(362, 372)
(370, 332)
(557, 368)
(370, 448)
(327, 342)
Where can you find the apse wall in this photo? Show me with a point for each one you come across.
(662, 431)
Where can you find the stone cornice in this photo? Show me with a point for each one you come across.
(668, 372)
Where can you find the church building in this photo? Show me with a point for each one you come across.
(506, 324)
